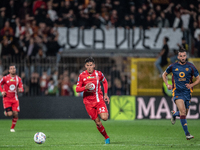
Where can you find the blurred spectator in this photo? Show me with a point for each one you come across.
(139, 18)
(7, 28)
(7, 49)
(183, 45)
(35, 84)
(25, 84)
(148, 23)
(52, 89)
(154, 20)
(118, 89)
(40, 14)
(197, 47)
(115, 74)
(25, 9)
(2, 19)
(37, 4)
(162, 21)
(65, 87)
(178, 23)
(43, 82)
(96, 21)
(52, 13)
(114, 18)
(132, 21)
(32, 48)
(162, 57)
(11, 10)
(126, 23)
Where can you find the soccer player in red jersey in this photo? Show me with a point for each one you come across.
(89, 83)
(11, 85)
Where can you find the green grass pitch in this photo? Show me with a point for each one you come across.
(83, 135)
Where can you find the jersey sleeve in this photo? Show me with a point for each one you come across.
(195, 71)
(21, 84)
(80, 87)
(104, 81)
(2, 83)
(169, 69)
(101, 76)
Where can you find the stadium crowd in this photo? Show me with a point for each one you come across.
(28, 30)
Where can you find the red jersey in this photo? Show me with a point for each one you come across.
(94, 94)
(10, 86)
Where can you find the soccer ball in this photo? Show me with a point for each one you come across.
(39, 137)
(92, 88)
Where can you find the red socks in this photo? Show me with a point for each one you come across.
(14, 121)
(102, 131)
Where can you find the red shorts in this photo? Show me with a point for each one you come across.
(94, 110)
(14, 104)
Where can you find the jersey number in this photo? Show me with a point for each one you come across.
(102, 109)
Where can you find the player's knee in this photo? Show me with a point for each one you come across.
(183, 112)
(9, 114)
(15, 114)
(104, 118)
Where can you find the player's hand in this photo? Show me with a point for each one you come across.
(20, 90)
(106, 98)
(169, 87)
(88, 86)
(189, 86)
(3, 93)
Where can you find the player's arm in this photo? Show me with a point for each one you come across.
(2, 83)
(196, 74)
(189, 86)
(105, 87)
(20, 86)
(80, 87)
(164, 76)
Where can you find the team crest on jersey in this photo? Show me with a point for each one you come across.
(186, 69)
(176, 69)
(12, 87)
(12, 80)
(89, 77)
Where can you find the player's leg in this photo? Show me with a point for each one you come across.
(104, 116)
(181, 106)
(15, 108)
(102, 130)
(102, 111)
(8, 112)
(187, 105)
(7, 105)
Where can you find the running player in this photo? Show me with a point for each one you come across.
(11, 85)
(183, 73)
(89, 83)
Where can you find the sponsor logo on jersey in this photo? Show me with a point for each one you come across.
(89, 77)
(12, 87)
(181, 74)
(176, 69)
(186, 69)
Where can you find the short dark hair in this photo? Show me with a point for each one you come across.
(89, 59)
(12, 65)
(181, 50)
(166, 39)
